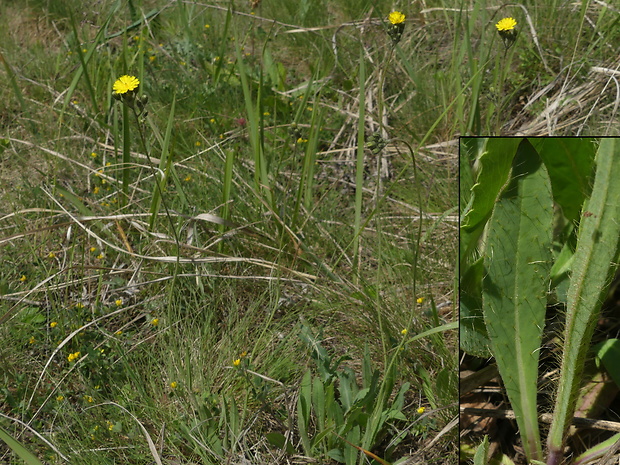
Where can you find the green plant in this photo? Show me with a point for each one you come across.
(335, 412)
(508, 267)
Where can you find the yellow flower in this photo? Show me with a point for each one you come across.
(396, 17)
(207, 26)
(89, 399)
(73, 356)
(152, 58)
(266, 113)
(198, 143)
(421, 410)
(23, 278)
(51, 255)
(93, 249)
(173, 385)
(118, 302)
(96, 190)
(99, 257)
(31, 340)
(212, 120)
(188, 178)
(420, 300)
(118, 333)
(60, 398)
(243, 354)
(506, 24)
(53, 324)
(93, 154)
(404, 332)
(237, 362)
(125, 84)
(155, 321)
(79, 305)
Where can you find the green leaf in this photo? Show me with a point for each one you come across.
(481, 457)
(594, 264)
(278, 440)
(517, 261)
(19, 449)
(608, 352)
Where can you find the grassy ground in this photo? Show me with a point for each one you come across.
(234, 277)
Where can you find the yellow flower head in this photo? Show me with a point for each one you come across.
(155, 321)
(173, 385)
(420, 300)
(396, 17)
(125, 84)
(53, 324)
(421, 410)
(23, 278)
(404, 332)
(32, 340)
(237, 362)
(118, 302)
(506, 24)
(73, 356)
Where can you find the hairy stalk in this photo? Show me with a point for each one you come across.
(594, 264)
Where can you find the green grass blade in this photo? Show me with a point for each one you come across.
(517, 258)
(359, 166)
(594, 263)
(165, 162)
(19, 449)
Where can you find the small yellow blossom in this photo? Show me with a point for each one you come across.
(53, 324)
(198, 143)
(396, 17)
(173, 385)
(118, 333)
(93, 154)
(188, 178)
(60, 398)
(89, 399)
(100, 256)
(152, 58)
(79, 305)
(96, 190)
(506, 24)
(125, 84)
(182, 63)
(23, 278)
(155, 321)
(118, 302)
(51, 255)
(421, 410)
(73, 356)
(212, 120)
(243, 354)
(266, 113)
(420, 300)
(93, 249)
(404, 332)
(110, 425)
(237, 362)
(31, 340)
(207, 26)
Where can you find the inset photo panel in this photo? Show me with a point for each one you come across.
(539, 300)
